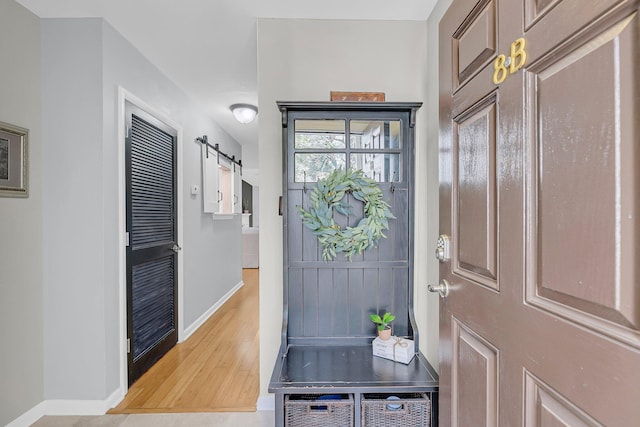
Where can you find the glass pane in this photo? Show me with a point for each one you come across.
(309, 167)
(379, 167)
(320, 133)
(376, 134)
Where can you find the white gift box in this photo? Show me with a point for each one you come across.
(395, 348)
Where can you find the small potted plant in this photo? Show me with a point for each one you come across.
(384, 329)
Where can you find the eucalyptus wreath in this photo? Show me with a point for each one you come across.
(328, 196)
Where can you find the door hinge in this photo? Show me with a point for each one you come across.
(128, 345)
(126, 239)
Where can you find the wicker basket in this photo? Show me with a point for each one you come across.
(317, 410)
(410, 410)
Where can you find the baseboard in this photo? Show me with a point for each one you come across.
(266, 403)
(67, 407)
(29, 417)
(205, 316)
(115, 399)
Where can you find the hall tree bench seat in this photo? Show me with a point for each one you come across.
(325, 363)
(349, 369)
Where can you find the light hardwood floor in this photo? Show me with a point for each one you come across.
(217, 419)
(215, 370)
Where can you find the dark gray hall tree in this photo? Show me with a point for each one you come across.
(326, 331)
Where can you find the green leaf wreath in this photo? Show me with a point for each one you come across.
(327, 196)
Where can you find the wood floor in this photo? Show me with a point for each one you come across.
(215, 370)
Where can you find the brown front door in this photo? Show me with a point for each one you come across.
(540, 171)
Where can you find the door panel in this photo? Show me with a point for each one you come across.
(153, 304)
(475, 207)
(474, 42)
(237, 189)
(546, 407)
(152, 227)
(549, 159)
(570, 246)
(475, 376)
(210, 189)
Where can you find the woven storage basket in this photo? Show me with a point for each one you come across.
(410, 410)
(306, 410)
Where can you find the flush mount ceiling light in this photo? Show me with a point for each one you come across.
(244, 113)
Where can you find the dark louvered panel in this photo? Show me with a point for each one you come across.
(152, 179)
(153, 303)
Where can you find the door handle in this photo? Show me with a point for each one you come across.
(442, 288)
(176, 248)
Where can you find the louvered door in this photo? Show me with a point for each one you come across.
(152, 245)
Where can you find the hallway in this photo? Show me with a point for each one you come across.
(215, 370)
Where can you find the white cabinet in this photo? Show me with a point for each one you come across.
(209, 179)
(221, 183)
(237, 189)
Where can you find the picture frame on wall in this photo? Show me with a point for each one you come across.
(14, 161)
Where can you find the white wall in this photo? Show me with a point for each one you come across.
(303, 60)
(84, 63)
(21, 324)
(432, 130)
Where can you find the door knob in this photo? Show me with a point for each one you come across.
(176, 248)
(442, 288)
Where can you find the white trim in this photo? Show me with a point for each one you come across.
(205, 316)
(29, 417)
(266, 403)
(68, 407)
(123, 96)
(218, 216)
(115, 399)
(83, 407)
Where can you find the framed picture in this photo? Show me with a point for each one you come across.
(14, 153)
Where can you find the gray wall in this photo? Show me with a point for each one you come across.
(303, 60)
(84, 62)
(212, 249)
(73, 236)
(21, 326)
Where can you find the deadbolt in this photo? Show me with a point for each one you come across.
(442, 248)
(442, 288)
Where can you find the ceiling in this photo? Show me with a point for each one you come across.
(209, 47)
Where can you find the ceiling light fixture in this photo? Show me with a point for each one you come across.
(244, 113)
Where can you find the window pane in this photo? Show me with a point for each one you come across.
(309, 167)
(376, 134)
(379, 167)
(320, 133)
